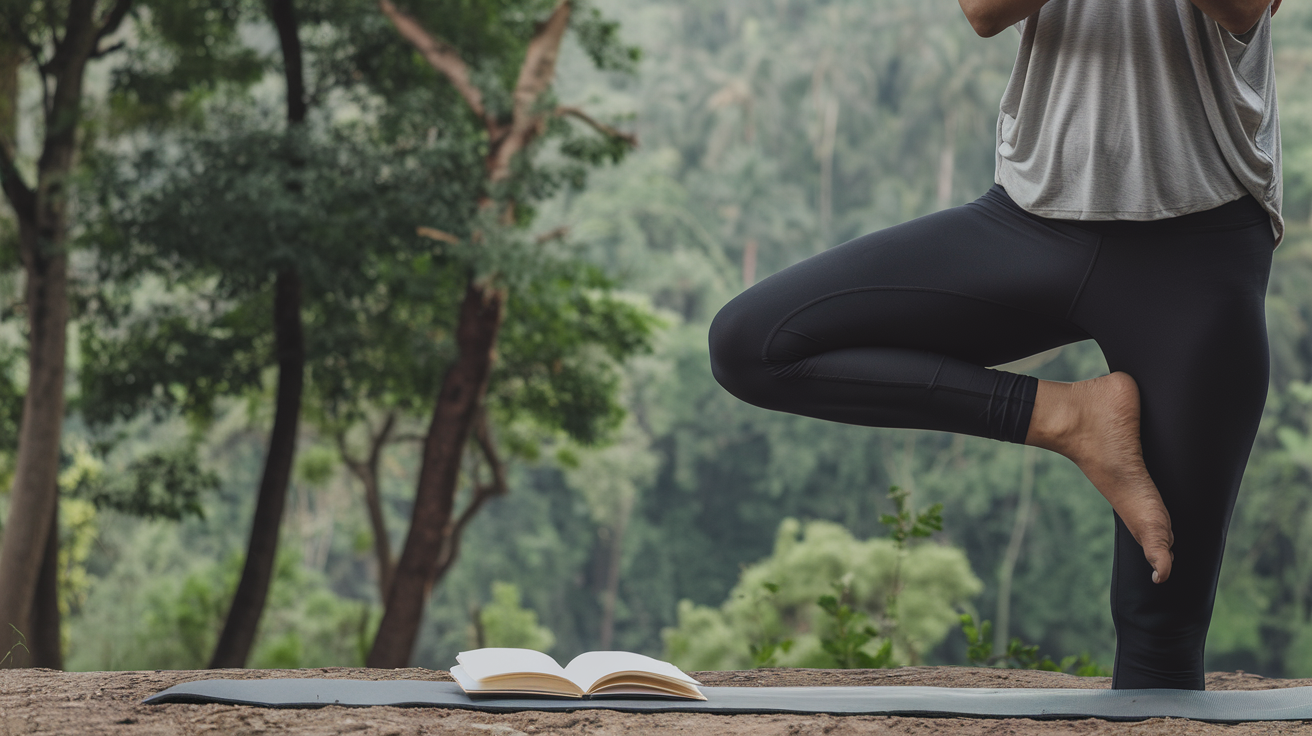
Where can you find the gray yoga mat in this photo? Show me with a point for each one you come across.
(1219, 706)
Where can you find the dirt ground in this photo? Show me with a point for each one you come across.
(50, 702)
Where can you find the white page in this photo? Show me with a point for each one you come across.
(463, 678)
(481, 664)
(589, 667)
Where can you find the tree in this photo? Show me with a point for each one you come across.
(234, 645)
(58, 43)
(510, 133)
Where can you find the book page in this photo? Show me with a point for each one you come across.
(518, 684)
(482, 664)
(586, 669)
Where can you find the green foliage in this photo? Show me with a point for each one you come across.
(167, 483)
(316, 465)
(20, 643)
(763, 647)
(733, 100)
(600, 39)
(169, 611)
(903, 526)
(561, 347)
(937, 578)
(850, 632)
(979, 651)
(79, 533)
(906, 525)
(979, 639)
(173, 357)
(185, 51)
(504, 622)
(11, 415)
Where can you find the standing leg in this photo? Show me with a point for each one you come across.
(1182, 312)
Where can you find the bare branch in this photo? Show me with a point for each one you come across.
(482, 492)
(535, 76)
(539, 68)
(435, 234)
(550, 235)
(599, 126)
(352, 464)
(441, 55)
(110, 23)
(381, 439)
(108, 49)
(376, 442)
(22, 198)
(33, 48)
(483, 436)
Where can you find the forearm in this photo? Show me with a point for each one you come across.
(990, 17)
(1236, 16)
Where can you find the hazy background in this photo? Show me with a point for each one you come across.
(768, 131)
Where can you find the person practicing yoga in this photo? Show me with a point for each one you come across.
(1136, 203)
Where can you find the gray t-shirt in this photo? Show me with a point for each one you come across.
(1138, 110)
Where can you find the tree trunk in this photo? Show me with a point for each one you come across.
(367, 472)
(828, 142)
(43, 227)
(11, 57)
(35, 493)
(1023, 510)
(239, 629)
(46, 642)
(243, 619)
(615, 556)
(433, 542)
(382, 544)
(749, 262)
(947, 159)
(458, 402)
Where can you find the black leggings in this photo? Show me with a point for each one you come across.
(895, 328)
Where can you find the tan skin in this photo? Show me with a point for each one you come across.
(1095, 423)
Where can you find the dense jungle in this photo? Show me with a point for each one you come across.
(342, 332)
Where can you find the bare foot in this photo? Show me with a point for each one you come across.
(1095, 423)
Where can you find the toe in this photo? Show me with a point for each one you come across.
(1159, 555)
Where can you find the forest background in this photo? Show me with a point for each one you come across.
(616, 497)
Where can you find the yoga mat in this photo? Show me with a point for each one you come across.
(1218, 706)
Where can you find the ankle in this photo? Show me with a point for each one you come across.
(1055, 418)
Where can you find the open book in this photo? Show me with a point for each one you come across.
(503, 671)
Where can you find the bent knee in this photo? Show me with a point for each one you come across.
(736, 341)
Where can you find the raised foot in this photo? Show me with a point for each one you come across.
(1095, 423)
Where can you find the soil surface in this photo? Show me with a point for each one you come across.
(47, 702)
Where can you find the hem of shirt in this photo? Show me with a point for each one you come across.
(1132, 215)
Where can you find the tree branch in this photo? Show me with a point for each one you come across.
(384, 435)
(439, 54)
(535, 76)
(111, 22)
(108, 49)
(482, 492)
(598, 126)
(554, 234)
(433, 233)
(539, 68)
(20, 196)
